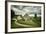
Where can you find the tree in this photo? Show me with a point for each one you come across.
(12, 14)
(35, 15)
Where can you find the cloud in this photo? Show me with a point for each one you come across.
(22, 10)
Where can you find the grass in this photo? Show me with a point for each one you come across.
(34, 22)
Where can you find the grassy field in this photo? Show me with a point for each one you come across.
(29, 23)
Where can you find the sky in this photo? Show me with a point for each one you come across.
(22, 10)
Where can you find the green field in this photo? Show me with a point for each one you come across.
(32, 22)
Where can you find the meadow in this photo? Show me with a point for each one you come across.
(31, 22)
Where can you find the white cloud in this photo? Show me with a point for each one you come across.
(28, 10)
